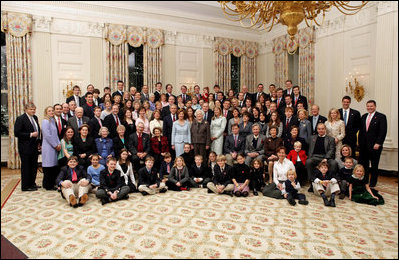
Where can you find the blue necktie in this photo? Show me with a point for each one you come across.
(345, 116)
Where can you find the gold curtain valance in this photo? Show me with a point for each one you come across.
(225, 46)
(117, 34)
(17, 24)
(302, 40)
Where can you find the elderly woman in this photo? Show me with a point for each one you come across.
(83, 146)
(159, 146)
(156, 121)
(104, 145)
(305, 127)
(180, 133)
(200, 134)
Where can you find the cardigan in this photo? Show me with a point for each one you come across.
(293, 156)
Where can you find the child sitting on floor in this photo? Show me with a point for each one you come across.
(292, 187)
(344, 175)
(325, 183)
(179, 179)
(149, 182)
(166, 167)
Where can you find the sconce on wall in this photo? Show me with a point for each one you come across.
(356, 89)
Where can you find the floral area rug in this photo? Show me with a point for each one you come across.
(195, 224)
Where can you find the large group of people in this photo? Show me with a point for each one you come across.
(229, 143)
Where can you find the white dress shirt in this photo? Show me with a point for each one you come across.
(280, 170)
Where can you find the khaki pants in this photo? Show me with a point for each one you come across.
(331, 188)
(77, 190)
(229, 159)
(152, 191)
(212, 187)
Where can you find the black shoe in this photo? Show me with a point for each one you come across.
(29, 189)
(163, 190)
(37, 186)
(104, 201)
(126, 197)
(255, 193)
(237, 193)
(303, 202)
(209, 191)
(291, 202)
(310, 188)
(230, 193)
(144, 193)
(342, 196)
(326, 202)
(332, 202)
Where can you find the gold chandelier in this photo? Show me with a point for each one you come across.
(289, 13)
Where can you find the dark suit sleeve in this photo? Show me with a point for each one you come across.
(103, 183)
(61, 175)
(330, 153)
(208, 135)
(382, 131)
(19, 129)
(228, 180)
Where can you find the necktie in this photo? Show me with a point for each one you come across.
(225, 113)
(168, 168)
(33, 124)
(77, 101)
(206, 115)
(278, 102)
(59, 126)
(74, 176)
(79, 122)
(99, 122)
(117, 121)
(235, 141)
(296, 100)
(184, 98)
(286, 124)
(314, 123)
(174, 118)
(368, 122)
(65, 117)
(240, 103)
(345, 116)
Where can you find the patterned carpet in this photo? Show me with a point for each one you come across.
(196, 224)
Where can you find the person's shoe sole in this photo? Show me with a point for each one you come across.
(83, 199)
(72, 200)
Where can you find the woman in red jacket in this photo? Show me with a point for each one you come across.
(159, 146)
(298, 158)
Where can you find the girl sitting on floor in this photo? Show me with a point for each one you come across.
(241, 177)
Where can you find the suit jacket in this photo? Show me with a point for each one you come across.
(302, 99)
(249, 148)
(247, 96)
(155, 145)
(281, 110)
(164, 169)
(157, 96)
(271, 145)
(321, 119)
(111, 182)
(110, 123)
(329, 146)
(352, 126)
(81, 100)
(74, 123)
(201, 133)
(148, 179)
(287, 129)
(166, 111)
(88, 110)
(95, 127)
(64, 124)
(209, 116)
(22, 129)
(133, 143)
(247, 130)
(201, 172)
(145, 98)
(222, 178)
(254, 95)
(285, 92)
(167, 127)
(188, 97)
(228, 117)
(119, 145)
(376, 133)
(229, 146)
(80, 147)
(174, 175)
(281, 104)
(66, 174)
(116, 93)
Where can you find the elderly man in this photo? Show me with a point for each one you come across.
(316, 118)
(78, 119)
(254, 145)
(200, 134)
(139, 146)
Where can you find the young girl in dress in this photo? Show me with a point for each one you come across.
(360, 191)
(126, 169)
(241, 177)
(94, 171)
(258, 176)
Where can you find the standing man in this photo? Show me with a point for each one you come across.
(169, 89)
(247, 95)
(197, 92)
(256, 95)
(145, 95)
(65, 111)
(75, 96)
(120, 85)
(280, 98)
(88, 106)
(59, 121)
(288, 90)
(27, 130)
(158, 91)
(208, 113)
(112, 121)
(352, 120)
(372, 135)
(316, 118)
(184, 95)
(297, 97)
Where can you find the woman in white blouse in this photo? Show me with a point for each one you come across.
(218, 124)
(335, 128)
(156, 121)
(143, 119)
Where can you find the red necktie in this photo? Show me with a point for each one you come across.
(117, 121)
(184, 98)
(168, 168)
(286, 125)
(174, 118)
(296, 100)
(59, 126)
(74, 176)
(225, 113)
(278, 102)
(235, 141)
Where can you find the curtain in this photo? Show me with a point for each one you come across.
(248, 73)
(117, 54)
(306, 73)
(280, 61)
(223, 71)
(17, 28)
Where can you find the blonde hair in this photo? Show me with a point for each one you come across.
(291, 171)
(298, 143)
(333, 110)
(304, 111)
(359, 166)
(45, 116)
(221, 157)
(181, 158)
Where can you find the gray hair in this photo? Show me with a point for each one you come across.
(199, 111)
(256, 124)
(99, 132)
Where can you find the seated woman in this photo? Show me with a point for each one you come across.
(290, 140)
(94, 171)
(271, 144)
(66, 146)
(104, 145)
(120, 141)
(159, 146)
(112, 184)
(83, 146)
(74, 182)
(126, 169)
(346, 151)
(245, 125)
(241, 177)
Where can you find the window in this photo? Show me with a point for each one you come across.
(136, 77)
(235, 73)
(4, 88)
(293, 67)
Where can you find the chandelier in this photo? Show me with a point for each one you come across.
(289, 13)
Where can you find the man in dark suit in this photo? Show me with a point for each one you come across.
(158, 91)
(168, 93)
(184, 94)
(139, 146)
(297, 97)
(247, 95)
(112, 121)
(59, 121)
(288, 90)
(255, 96)
(254, 145)
(241, 101)
(75, 96)
(120, 86)
(227, 113)
(321, 148)
(168, 124)
(234, 144)
(65, 112)
(96, 123)
(287, 103)
(208, 114)
(197, 92)
(352, 120)
(316, 118)
(280, 98)
(166, 110)
(27, 130)
(288, 120)
(216, 89)
(372, 135)
(145, 95)
(76, 121)
(88, 106)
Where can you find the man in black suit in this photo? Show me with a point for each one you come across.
(88, 106)
(241, 101)
(247, 95)
(72, 108)
(158, 91)
(316, 118)
(220, 97)
(168, 93)
(297, 97)
(145, 95)
(287, 103)
(166, 110)
(227, 114)
(112, 121)
(197, 92)
(184, 94)
(59, 121)
(288, 120)
(139, 146)
(288, 90)
(76, 121)
(255, 96)
(208, 114)
(234, 144)
(96, 123)
(216, 89)
(280, 98)
(65, 112)
(120, 86)
(352, 120)
(75, 96)
(168, 123)
(372, 135)
(27, 130)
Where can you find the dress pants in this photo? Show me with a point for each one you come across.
(152, 191)
(49, 176)
(102, 194)
(212, 187)
(374, 156)
(28, 170)
(311, 164)
(77, 190)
